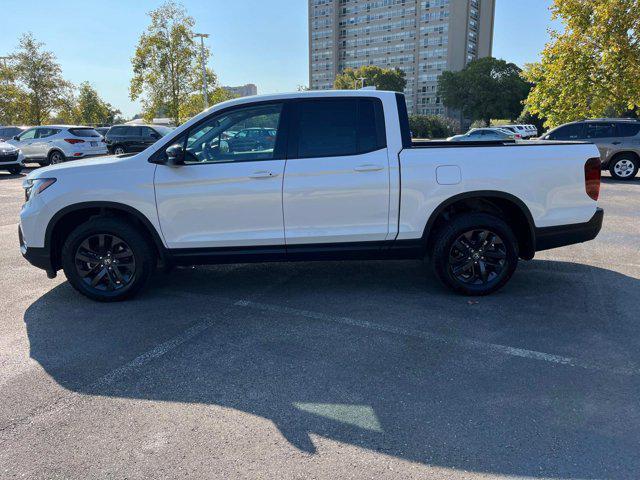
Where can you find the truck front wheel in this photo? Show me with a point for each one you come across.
(474, 254)
(107, 259)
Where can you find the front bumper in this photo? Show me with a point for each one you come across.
(38, 257)
(561, 235)
(8, 161)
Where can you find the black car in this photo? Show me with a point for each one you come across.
(133, 138)
(8, 132)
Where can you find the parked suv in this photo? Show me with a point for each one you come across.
(133, 138)
(618, 140)
(53, 144)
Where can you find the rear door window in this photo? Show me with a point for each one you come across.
(600, 130)
(46, 132)
(338, 127)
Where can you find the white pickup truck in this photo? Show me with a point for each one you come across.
(327, 175)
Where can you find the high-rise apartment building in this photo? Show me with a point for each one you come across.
(421, 37)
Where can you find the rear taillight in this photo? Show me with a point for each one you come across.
(73, 141)
(592, 177)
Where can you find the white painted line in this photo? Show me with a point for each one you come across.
(450, 340)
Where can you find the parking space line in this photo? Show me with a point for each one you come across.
(446, 339)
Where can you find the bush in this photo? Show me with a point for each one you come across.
(431, 126)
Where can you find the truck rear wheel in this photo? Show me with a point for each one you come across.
(474, 254)
(107, 259)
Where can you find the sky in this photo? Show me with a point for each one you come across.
(252, 41)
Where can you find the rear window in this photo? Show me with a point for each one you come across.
(84, 132)
(338, 127)
(628, 129)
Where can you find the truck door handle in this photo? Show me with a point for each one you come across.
(368, 168)
(616, 143)
(263, 174)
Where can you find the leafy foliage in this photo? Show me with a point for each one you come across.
(13, 98)
(591, 69)
(431, 126)
(486, 88)
(90, 109)
(39, 76)
(166, 64)
(528, 118)
(194, 104)
(382, 78)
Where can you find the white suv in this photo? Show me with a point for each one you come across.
(53, 144)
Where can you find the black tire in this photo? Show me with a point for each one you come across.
(108, 288)
(15, 170)
(56, 157)
(460, 245)
(624, 167)
(119, 150)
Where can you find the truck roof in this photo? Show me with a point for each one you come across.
(305, 94)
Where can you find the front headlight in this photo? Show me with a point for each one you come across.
(34, 187)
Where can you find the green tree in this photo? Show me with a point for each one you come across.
(166, 64)
(431, 126)
(486, 88)
(382, 78)
(91, 109)
(12, 97)
(194, 104)
(40, 76)
(65, 106)
(592, 68)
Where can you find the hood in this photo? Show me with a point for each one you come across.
(7, 146)
(75, 165)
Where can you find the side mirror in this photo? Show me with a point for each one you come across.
(17, 137)
(175, 155)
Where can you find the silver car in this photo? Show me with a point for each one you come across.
(483, 135)
(618, 140)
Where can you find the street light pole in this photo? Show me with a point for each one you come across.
(202, 36)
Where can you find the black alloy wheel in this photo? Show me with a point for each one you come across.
(474, 253)
(105, 262)
(477, 257)
(108, 259)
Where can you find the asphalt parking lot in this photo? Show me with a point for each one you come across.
(328, 370)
